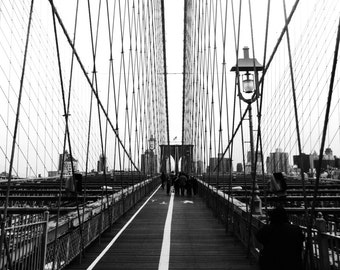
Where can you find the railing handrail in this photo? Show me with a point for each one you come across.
(326, 246)
(96, 220)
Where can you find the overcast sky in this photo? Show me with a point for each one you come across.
(312, 33)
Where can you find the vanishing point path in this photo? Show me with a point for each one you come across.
(166, 232)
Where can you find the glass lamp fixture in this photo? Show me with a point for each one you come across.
(248, 83)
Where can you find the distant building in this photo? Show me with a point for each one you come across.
(198, 166)
(310, 162)
(328, 160)
(223, 166)
(68, 161)
(101, 164)
(305, 159)
(278, 162)
(4, 175)
(239, 167)
(258, 163)
(149, 163)
(52, 173)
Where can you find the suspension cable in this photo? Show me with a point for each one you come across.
(4, 217)
(67, 132)
(259, 137)
(265, 69)
(89, 82)
(329, 100)
(165, 81)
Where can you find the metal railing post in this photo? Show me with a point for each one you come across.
(44, 240)
(323, 251)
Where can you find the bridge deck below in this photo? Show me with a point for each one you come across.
(198, 240)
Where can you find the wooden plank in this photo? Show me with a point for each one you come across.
(198, 240)
(139, 246)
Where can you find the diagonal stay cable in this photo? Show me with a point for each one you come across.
(185, 45)
(232, 137)
(165, 80)
(3, 219)
(67, 132)
(254, 159)
(265, 69)
(259, 132)
(94, 43)
(330, 92)
(64, 143)
(89, 81)
(297, 126)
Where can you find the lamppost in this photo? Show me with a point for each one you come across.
(249, 67)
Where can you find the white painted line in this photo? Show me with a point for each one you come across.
(186, 201)
(93, 264)
(165, 253)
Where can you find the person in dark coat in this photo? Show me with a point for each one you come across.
(163, 179)
(176, 184)
(189, 186)
(282, 243)
(194, 185)
(168, 185)
(170, 182)
(182, 182)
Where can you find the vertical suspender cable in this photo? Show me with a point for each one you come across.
(3, 219)
(295, 103)
(309, 248)
(165, 81)
(89, 82)
(66, 115)
(214, 58)
(237, 88)
(95, 81)
(111, 75)
(253, 159)
(259, 137)
(330, 92)
(208, 109)
(184, 72)
(224, 85)
(279, 41)
(64, 145)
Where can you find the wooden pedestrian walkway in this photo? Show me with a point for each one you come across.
(197, 239)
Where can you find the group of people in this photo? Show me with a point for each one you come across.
(181, 183)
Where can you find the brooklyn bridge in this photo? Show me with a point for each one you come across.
(161, 134)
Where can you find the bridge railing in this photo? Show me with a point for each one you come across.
(25, 242)
(97, 218)
(233, 213)
(39, 244)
